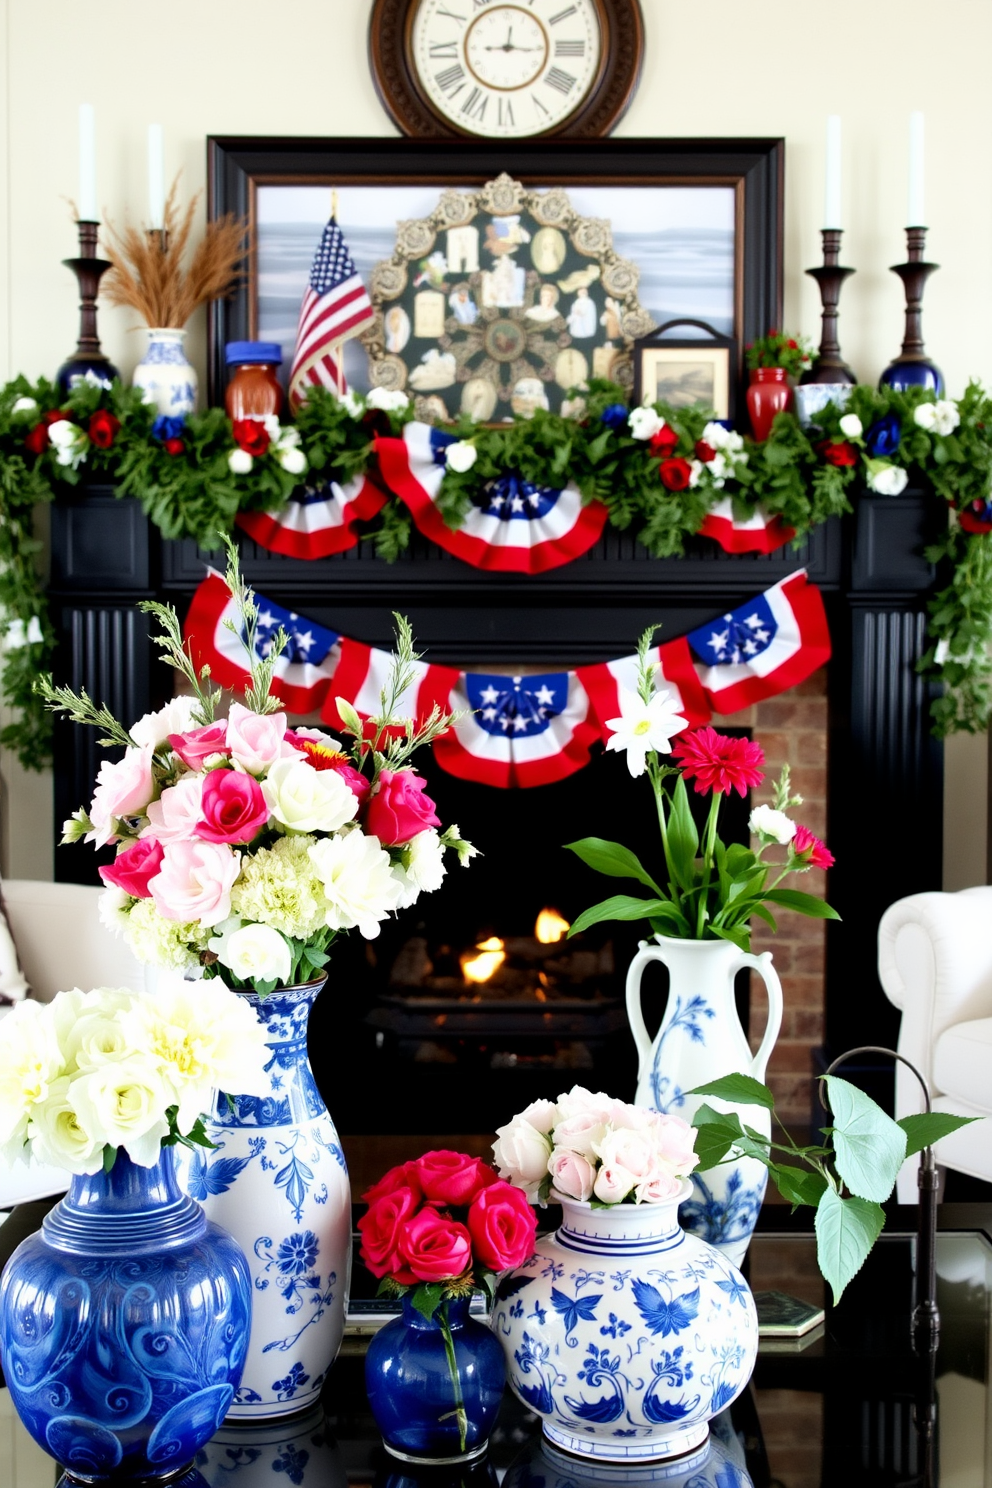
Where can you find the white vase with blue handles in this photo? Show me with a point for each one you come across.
(165, 373)
(701, 1039)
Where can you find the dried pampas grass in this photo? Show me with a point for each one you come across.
(148, 273)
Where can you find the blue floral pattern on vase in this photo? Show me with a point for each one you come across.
(167, 378)
(635, 1372)
(277, 1179)
(124, 1325)
(301, 1452)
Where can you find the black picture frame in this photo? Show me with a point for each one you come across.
(237, 165)
(723, 358)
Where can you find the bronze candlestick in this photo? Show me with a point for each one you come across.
(829, 366)
(912, 367)
(89, 270)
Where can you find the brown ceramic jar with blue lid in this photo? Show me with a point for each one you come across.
(253, 389)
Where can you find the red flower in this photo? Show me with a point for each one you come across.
(839, 452)
(664, 441)
(233, 808)
(323, 757)
(37, 440)
(792, 345)
(132, 868)
(452, 1177)
(173, 446)
(381, 1229)
(718, 763)
(103, 428)
(399, 810)
(804, 842)
(502, 1225)
(250, 435)
(434, 1248)
(704, 451)
(401, 1177)
(198, 744)
(675, 474)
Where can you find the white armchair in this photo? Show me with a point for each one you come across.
(935, 964)
(61, 943)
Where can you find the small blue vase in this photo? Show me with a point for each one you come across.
(412, 1393)
(913, 372)
(124, 1324)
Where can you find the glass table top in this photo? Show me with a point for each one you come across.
(836, 1407)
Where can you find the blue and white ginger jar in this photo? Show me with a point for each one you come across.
(165, 373)
(626, 1334)
(713, 1465)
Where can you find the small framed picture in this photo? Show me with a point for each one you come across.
(686, 372)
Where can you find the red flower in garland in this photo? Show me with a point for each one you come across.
(173, 446)
(675, 474)
(719, 763)
(664, 442)
(250, 435)
(103, 428)
(804, 841)
(704, 451)
(840, 453)
(37, 440)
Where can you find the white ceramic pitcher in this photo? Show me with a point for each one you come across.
(701, 1039)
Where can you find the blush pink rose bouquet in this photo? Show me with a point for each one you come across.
(590, 1147)
(244, 846)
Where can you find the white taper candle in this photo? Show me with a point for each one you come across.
(87, 163)
(831, 202)
(156, 176)
(915, 217)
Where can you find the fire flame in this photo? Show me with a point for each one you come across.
(550, 927)
(489, 957)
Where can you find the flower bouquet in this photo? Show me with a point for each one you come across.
(778, 349)
(149, 1297)
(436, 1231)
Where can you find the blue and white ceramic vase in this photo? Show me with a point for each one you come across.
(165, 373)
(124, 1325)
(712, 1465)
(428, 1411)
(277, 1179)
(274, 1454)
(701, 1039)
(624, 1333)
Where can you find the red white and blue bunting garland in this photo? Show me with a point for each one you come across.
(316, 522)
(530, 729)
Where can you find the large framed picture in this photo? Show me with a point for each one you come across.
(505, 274)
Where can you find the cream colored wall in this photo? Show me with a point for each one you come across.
(723, 68)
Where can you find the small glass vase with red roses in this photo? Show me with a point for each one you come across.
(437, 1231)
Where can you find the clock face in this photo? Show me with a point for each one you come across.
(506, 70)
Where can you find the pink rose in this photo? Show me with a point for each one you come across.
(174, 816)
(502, 1225)
(232, 807)
(402, 1176)
(613, 1183)
(572, 1174)
(198, 744)
(381, 1227)
(674, 1141)
(452, 1177)
(132, 868)
(660, 1185)
(580, 1133)
(122, 789)
(582, 1102)
(255, 739)
(195, 882)
(399, 809)
(626, 1152)
(435, 1248)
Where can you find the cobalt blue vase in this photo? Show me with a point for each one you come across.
(426, 1412)
(913, 372)
(124, 1325)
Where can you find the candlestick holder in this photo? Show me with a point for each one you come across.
(829, 366)
(89, 270)
(912, 367)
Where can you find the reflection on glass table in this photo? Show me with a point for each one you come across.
(836, 1407)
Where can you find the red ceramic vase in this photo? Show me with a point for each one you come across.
(768, 394)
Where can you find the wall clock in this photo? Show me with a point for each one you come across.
(506, 69)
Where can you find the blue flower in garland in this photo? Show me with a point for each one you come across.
(883, 437)
(615, 416)
(166, 427)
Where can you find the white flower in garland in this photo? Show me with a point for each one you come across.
(69, 442)
(696, 468)
(727, 440)
(24, 407)
(645, 423)
(886, 479)
(286, 448)
(941, 417)
(240, 462)
(18, 635)
(851, 426)
(645, 726)
(461, 455)
(352, 402)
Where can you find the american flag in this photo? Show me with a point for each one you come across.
(335, 307)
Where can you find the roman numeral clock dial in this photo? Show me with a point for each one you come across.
(506, 70)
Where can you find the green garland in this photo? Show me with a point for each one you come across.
(191, 481)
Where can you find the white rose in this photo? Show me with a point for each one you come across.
(425, 869)
(580, 1102)
(521, 1155)
(765, 821)
(946, 416)
(572, 1174)
(645, 423)
(925, 416)
(293, 461)
(69, 442)
(696, 468)
(257, 953)
(308, 800)
(851, 426)
(58, 1138)
(461, 455)
(358, 883)
(352, 403)
(123, 1105)
(887, 480)
(95, 1035)
(541, 1114)
(153, 729)
(613, 1183)
(581, 1132)
(633, 1152)
(30, 1061)
(239, 462)
(22, 407)
(391, 400)
(659, 1184)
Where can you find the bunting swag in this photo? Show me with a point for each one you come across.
(757, 533)
(523, 730)
(316, 522)
(523, 528)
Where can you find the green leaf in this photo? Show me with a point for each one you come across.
(350, 720)
(807, 904)
(611, 858)
(716, 1133)
(427, 1298)
(109, 1157)
(683, 839)
(743, 1090)
(846, 1230)
(927, 1128)
(620, 907)
(798, 1185)
(869, 1147)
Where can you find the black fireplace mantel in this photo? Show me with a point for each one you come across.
(885, 775)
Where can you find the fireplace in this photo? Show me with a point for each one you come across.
(857, 733)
